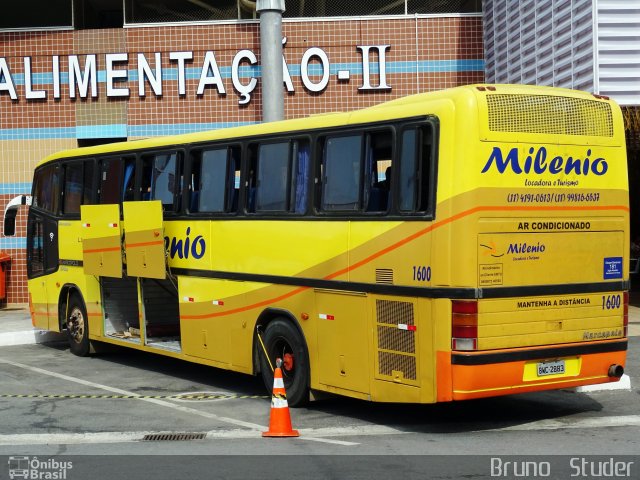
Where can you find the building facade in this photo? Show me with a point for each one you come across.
(590, 45)
(155, 72)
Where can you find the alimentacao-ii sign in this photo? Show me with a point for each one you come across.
(82, 74)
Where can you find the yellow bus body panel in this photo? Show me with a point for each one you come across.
(101, 237)
(144, 241)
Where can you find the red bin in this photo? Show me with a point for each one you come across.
(4, 264)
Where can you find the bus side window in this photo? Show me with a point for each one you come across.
(194, 181)
(145, 183)
(72, 192)
(341, 173)
(379, 170)
(273, 178)
(234, 179)
(301, 154)
(278, 177)
(209, 179)
(128, 183)
(55, 190)
(46, 188)
(110, 181)
(36, 188)
(88, 187)
(161, 180)
(416, 170)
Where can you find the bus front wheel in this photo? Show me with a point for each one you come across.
(77, 324)
(283, 340)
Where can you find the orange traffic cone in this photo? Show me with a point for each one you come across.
(280, 421)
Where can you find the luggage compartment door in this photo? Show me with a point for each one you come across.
(144, 240)
(342, 317)
(101, 247)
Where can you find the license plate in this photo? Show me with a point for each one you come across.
(551, 368)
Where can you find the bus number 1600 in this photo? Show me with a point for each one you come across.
(610, 302)
(421, 273)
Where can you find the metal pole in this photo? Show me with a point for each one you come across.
(271, 58)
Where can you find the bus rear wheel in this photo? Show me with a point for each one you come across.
(77, 323)
(283, 340)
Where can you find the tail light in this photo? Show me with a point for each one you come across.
(464, 325)
(625, 316)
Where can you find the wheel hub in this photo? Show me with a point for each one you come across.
(75, 325)
(287, 362)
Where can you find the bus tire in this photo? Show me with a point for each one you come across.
(283, 340)
(77, 324)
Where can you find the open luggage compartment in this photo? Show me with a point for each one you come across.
(160, 311)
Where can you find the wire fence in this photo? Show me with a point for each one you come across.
(109, 13)
(160, 11)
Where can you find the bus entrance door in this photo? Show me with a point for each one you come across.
(144, 241)
(101, 244)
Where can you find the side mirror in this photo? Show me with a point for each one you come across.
(10, 223)
(11, 211)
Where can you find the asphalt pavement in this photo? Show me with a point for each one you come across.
(120, 414)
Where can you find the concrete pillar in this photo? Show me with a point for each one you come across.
(270, 12)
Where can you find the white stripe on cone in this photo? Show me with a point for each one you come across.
(278, 383)
(279, 402)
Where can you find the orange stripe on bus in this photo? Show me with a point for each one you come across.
(406, 240)
(98, 250)
(145, 244)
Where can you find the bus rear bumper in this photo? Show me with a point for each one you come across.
(489, 374)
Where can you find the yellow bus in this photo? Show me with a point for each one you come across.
(452, 245)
